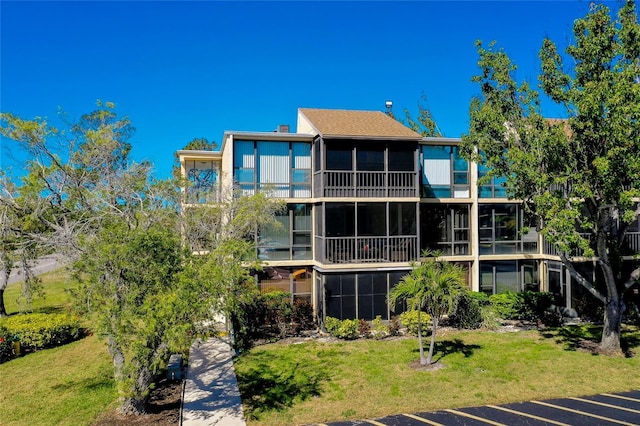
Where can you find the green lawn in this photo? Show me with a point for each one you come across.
(68, 385)
(56, 286)
(320, 382)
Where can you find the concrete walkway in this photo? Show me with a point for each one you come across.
(211, 395)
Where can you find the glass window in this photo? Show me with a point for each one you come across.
(514, 276)
(445, 228)
(244, 166)
(500, 230)
(494, 187)
(445, 174)
(290, 238)
(273, 166)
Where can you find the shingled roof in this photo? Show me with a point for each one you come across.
(340, 122)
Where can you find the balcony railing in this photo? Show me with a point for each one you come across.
(630, 247)
(631, 244)
(368, 184)
(370, 249)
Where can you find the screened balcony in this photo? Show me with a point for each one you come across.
(365, 169)
(368, 184)
(366, 232)
(370, 249)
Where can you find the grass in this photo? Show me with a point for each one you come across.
(55, 285)
(320, 382)
(68, 385)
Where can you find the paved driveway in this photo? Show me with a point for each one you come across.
(604, 409)
(41, 266)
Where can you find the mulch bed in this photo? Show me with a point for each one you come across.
(163, 408)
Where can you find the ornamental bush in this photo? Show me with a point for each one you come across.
(468, 313)
(528, 305)
(409, 319)
(41, 331)
(379, 330)
(6, 345)
(508, 305)
(345, 329)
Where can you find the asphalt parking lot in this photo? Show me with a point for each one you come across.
(603, 409)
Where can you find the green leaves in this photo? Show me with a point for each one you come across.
(578, 175)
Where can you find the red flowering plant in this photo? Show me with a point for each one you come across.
(6, 346)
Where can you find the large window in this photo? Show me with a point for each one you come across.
(296, 281)
(445, 228)
(361, 295)
(501, 276)
(500, 230)
(290, 238)
(203, 181)
(283, 168)
(494, 187)
(445, 174)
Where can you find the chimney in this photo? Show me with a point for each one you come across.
(283, 128)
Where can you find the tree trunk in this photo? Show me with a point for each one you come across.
(433, 340)
(3, 310)
(118, 360)
(423, 360)
(613, 311)
(133, 406)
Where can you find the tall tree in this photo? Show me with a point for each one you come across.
(84, 198)
(433, 286)
(579, 176)
(200, 144)
(423, 123)
(18, 250)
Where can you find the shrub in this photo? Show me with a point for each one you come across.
(409, 319)
(379, 330)
(40, 331)
(6, 345)
(345, 329)
(394, 326)
(490, 319)
(364, 328)
(480, 297)
(536, 305)
(468, 313)
(278, 310)
(302, 315)
(528, 305)
(508, 305)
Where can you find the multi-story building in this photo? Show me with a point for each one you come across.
(365, 196)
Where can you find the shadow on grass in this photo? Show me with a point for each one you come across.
(42, 310)
(573, 337)
(88, 384)
(447, 347)
(274, 385)
(585, 336)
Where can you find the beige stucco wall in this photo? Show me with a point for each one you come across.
(304, 125)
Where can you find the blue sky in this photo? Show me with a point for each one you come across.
(181, 70)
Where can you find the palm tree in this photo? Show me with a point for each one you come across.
(433, 285)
